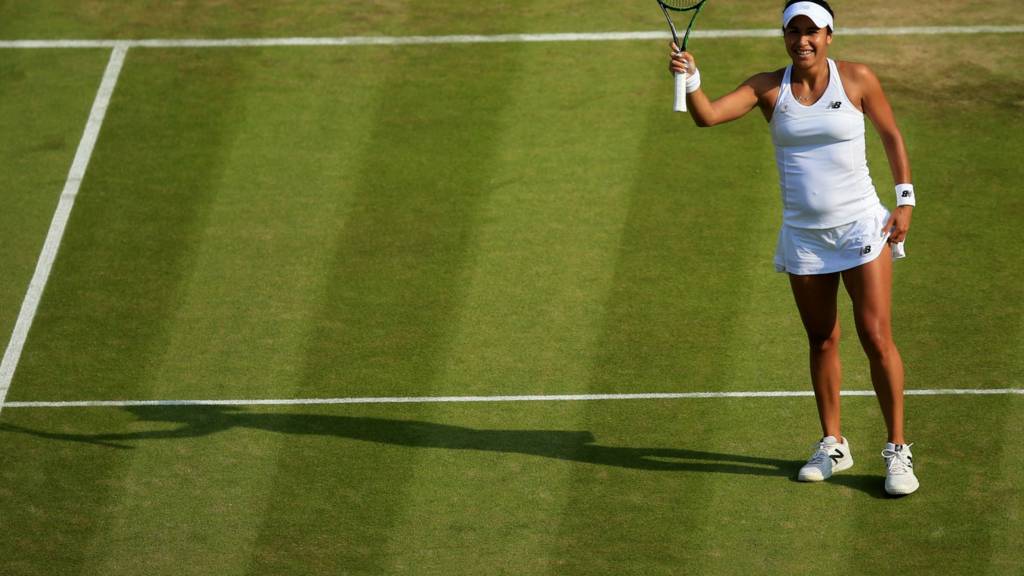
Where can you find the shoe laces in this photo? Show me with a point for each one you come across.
(820, 456)
(898, 461)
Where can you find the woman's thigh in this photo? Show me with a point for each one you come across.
(815, 297)
(870, 290)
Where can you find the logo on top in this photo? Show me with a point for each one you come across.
(835, 105)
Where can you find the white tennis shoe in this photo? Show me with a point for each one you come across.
(899, 464)
(830, 456)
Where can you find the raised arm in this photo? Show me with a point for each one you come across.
(735, 104)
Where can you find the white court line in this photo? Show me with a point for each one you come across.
(60, 219)
(485, 39)
(468, 399)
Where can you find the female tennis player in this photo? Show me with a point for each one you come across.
(834, 226)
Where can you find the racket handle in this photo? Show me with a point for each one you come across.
(680, 100)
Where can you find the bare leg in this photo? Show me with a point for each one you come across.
(816, 299)
(870, 289)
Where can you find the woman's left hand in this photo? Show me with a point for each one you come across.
(899, 223)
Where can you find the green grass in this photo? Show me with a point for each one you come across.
(44, 101)
(261, 18)
(481, 219)
(692, 487)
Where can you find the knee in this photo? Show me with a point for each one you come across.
(823, 341)
(876, 339)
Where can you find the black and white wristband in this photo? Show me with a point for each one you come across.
(905, 195)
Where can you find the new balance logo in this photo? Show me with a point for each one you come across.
(866, 251)
(907, 193)
(837, 456)
(835, 105)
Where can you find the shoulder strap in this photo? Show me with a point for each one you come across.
(784, 89)
(838, 91)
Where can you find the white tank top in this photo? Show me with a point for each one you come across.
(819, 150)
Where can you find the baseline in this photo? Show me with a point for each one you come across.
(484, 39)
(470, 399)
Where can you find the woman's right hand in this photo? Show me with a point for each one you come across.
(681, 61)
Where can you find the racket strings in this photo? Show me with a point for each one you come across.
(680, 4)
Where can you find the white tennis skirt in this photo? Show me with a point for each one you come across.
(806, 251)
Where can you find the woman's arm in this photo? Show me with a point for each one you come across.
(876, 106)
(733, 105)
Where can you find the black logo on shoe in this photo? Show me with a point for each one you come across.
(835, 105)
(837, 456)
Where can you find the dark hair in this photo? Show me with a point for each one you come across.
(821, 3)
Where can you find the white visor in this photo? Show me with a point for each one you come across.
(815, 12)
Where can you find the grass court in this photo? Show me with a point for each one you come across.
(332, 222)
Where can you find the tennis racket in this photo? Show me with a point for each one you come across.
(693, 6)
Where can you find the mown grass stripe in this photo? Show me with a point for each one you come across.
(525, 398)
(485, 38)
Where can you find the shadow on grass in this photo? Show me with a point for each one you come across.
(572, 446)
(873, 486)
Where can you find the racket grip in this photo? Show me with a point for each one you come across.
(680, 100)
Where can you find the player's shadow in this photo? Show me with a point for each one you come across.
(573, 446)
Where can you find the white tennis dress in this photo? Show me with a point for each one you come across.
(832, 218)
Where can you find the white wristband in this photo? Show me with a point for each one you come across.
(693, 82)
(905, 195)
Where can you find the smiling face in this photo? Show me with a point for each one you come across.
(806, 43)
